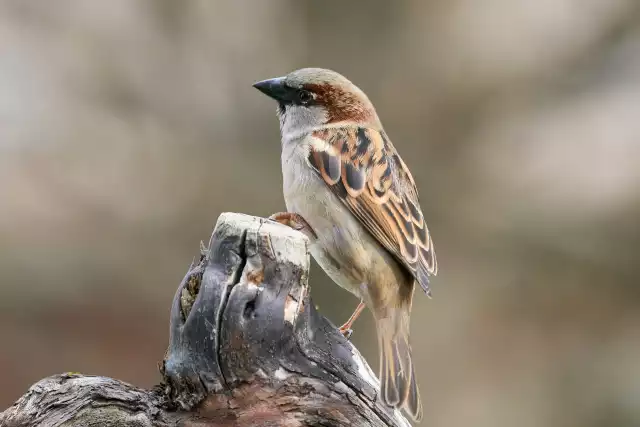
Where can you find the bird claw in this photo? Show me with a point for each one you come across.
(295, 221)
(346, 332)
(346, 328)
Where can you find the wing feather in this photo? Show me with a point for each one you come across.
(363, 169)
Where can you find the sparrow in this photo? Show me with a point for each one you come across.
(347, 187)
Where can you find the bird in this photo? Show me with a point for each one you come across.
(348, 189)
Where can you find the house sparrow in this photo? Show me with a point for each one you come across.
(346, 186)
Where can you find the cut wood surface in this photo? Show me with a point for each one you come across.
(246, 348)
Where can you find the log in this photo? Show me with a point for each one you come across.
(246, 348)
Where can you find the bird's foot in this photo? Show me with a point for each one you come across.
(295, 221)
(346, 328)
(347, 332)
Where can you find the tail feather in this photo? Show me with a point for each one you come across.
(388, 386)
(398, 384)
(414, 405)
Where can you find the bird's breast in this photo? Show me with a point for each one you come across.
(344, 248)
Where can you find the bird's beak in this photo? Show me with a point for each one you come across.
(274, 88)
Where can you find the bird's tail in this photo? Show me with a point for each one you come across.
(398, 386)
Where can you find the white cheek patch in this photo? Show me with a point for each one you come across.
(298, 120)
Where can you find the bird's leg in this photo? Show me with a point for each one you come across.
(295, 221)
(346, 328)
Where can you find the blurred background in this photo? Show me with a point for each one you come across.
(127, 127)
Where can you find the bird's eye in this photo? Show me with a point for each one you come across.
(304, 96)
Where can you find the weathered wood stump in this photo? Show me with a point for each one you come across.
(247, 348)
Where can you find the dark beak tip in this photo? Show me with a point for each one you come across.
(266, 83)
(273, 88)
(264, 86)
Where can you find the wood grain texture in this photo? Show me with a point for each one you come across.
(246, 348)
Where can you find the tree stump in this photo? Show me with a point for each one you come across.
(247, 348)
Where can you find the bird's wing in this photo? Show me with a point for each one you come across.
(363, 169)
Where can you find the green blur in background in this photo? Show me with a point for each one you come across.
(127, 127)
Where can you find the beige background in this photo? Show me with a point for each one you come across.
(126, 127)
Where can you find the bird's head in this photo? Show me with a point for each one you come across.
(311, 99)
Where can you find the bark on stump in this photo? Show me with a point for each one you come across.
(246, 348)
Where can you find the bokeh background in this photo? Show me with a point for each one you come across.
(128, 126)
